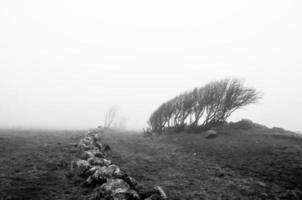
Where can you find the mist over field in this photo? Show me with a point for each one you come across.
(150, 100)
(63, 64)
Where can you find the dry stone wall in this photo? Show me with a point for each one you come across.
(110, 182)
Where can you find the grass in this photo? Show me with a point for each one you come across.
(238, 164)
(33, 164)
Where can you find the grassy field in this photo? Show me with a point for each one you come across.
(237, 164)
(33, 164)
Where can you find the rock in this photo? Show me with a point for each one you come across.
(97, 177)
(131, 181)
(161, 192)
(127, 194)
(94, 169)
(80, 167)
(114, 171)
(91, 154)
(86, 144)
(101, 174)
(106, 148)
(99, 161)
(91, 141)
(98, 145)
(85, 155)
(210, 134)
(87, 140)
(93, 134)
(99, 154)
(116, 189)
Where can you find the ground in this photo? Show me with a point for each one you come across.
(238, 164)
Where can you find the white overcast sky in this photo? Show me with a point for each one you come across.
(64, 62)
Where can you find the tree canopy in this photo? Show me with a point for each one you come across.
(204, 107)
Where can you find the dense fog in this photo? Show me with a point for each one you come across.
(63, 64)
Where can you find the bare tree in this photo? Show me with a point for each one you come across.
(110, 116)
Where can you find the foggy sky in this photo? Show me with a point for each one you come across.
(64, 63)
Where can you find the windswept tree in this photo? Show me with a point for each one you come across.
(203, 107)
(222, 98)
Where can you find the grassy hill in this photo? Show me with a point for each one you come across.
(238, 164)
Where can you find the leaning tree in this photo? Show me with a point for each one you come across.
(204, 107)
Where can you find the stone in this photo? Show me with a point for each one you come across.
(85, 155)
(99, 161)
(116, 189)
(86, 144)
(80, 167)
(101, 174)
(210, 134)
(161, 192)
(131, 181)
(127, 194)
(97, 177)
(106, 148)
(114, 171)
